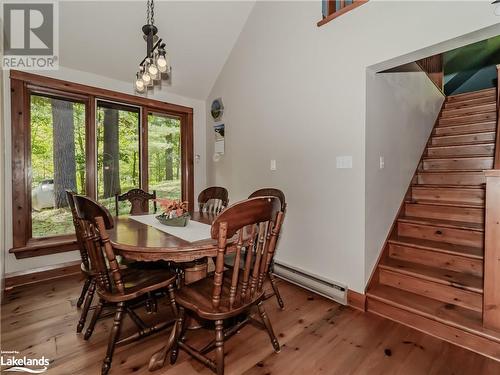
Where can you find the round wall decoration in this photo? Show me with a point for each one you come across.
(217, 109)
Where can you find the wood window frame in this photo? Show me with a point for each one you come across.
(23, 84)
(334, 13)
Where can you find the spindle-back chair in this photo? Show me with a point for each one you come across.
(232, 292)
(213, 199)
(229, 260)
(119, 288)
(139, 200)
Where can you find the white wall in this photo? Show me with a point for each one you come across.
(297, 93)
(199, 119)
(401, 109)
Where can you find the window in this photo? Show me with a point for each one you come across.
(95, 142)
(164, 155)
(118, 152)
(331, 9)
(57, 162)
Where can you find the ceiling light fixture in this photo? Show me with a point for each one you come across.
(497, 8)
(155, 67)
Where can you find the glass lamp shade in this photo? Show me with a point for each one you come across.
(497, 10)
(153, 71)
(162, 64)
(139, 85)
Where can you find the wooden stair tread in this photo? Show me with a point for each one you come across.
(468, 124)
(463, 144)
(442, 247)
(478, 93)
(442, 312)
(446, 277)
(440, 136)
(438, 171)
(447, 157)
(443, 223)
(450, 186)
(432, 202)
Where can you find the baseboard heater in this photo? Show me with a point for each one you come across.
(319, 285)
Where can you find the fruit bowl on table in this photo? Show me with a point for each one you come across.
(180, 221)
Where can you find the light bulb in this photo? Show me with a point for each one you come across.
(139, 84)
(162, 64)
(153, 70)
(146, 78)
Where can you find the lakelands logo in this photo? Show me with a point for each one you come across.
(30, 35)
(10, 361)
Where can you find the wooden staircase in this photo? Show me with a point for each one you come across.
(430, 274)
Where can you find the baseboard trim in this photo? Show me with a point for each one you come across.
(36, 275)
(356, 300)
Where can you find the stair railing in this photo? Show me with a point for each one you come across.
(491, 287)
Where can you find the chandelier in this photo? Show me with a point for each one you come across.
(155, 67)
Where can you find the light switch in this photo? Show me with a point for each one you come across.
(273, 165)
(382, 162)
(344, 162)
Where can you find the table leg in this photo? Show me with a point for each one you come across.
(194, 271)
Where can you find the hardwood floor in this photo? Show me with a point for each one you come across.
(317, 336)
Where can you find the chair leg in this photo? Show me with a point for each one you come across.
(267, 323)
(179, 328)
(113, 337)
(276, 291)
(85, 287)
(86, 305)
(93, 321)
(171, 296)
(219, 346)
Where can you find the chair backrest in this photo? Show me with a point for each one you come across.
(84, 255)
(255, 221)
(265, 192)
(139, 200)
(96, 219)
(213, 199)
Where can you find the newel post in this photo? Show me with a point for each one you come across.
(491, 302)
(491, 299)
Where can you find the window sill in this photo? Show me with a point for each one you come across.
(45, 246)
(342, 11)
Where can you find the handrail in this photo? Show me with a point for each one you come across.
(496, 164)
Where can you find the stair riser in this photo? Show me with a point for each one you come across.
(484, 150)
(490, 94)
(430, 289)
(449, 195)
(450, 235)
(460, 163)
(481, 117)
(436, 259)
(465, 138)
(468, 110)
(470, 128)
(451, 178)
(470, 103)
(465, 214)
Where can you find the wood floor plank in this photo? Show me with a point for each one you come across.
(318, 336)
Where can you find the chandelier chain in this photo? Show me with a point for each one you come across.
(152, 12)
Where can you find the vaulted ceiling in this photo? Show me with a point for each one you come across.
(105, 38)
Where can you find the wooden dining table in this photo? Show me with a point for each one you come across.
(141, 242)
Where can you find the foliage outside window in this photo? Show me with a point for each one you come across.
(57, 162)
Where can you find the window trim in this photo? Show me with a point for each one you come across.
(22, 84)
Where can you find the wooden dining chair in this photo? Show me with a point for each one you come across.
(213, 199)
(89, 285)
(118, 288)
(139, 200)
(231, 293)
(229, 259)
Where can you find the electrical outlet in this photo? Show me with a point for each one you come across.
(272, 166)
(344, 162)
(382, 162)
